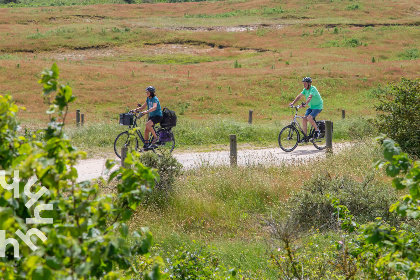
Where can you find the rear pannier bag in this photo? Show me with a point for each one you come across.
(321, 126)
(169, 118)
(126, 119)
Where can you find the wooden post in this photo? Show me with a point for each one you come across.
(77, 117)
(233, 150)
(250, 117)
(124, 151)
(343, 114)
(328, 136)
(83, 119)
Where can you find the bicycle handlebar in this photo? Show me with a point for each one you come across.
(298, 106)
(136, 114)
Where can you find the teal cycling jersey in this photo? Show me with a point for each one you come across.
(150, 102)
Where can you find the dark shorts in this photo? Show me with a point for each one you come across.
(156, 119)
(312, 112)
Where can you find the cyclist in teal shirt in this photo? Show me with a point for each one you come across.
(155, 114)
(315, 103)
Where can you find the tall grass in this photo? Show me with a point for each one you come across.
(226, 208)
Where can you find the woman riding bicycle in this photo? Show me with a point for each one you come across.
(315, 103)
(155, 115)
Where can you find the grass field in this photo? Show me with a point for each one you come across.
(209, 59)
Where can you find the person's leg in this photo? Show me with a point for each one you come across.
(305, 120)
(149, 128)
(311, 119)
(312, 122)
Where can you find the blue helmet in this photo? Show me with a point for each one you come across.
(151, 89)
(307, 80)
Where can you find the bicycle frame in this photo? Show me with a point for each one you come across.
(139, 134)
(296, 124)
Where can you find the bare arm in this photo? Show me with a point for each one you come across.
(140, 107)
(309, 99)
(296, 99)
(151, 109)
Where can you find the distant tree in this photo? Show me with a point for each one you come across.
(399, 114)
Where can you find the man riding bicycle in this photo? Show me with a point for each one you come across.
(315, 103)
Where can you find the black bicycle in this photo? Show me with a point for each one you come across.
(290, 136)
(133, 137)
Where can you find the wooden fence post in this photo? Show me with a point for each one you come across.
(124, 151)
(83, 119)
(77, 117)
(343, 114)
(250, 117)
(328, 136)
(233, 150)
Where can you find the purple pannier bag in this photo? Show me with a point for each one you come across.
(164, 136)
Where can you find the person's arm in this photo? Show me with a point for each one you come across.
(296, 99)
(140, 107)
(151, 109)
(309, 99)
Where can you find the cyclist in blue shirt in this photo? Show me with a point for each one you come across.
(155, 114)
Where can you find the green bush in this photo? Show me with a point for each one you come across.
(197, 264)
(168, 169)
(399, 114)
(367, 200)
(87, 232)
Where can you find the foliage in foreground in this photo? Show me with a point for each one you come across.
(84, 233)
(399, 114)
(374, 250)
(367, 200)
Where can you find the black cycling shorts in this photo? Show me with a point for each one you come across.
(156, 119)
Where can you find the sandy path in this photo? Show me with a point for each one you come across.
(94, 168)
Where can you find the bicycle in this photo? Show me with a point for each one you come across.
(290, 135)
(124, 139)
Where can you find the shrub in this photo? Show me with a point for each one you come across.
(198, 264)
(88, 237)
(399, 114)
(367, 200)
(168, 169)
(410, 54)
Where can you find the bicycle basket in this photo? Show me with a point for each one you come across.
(126, 119)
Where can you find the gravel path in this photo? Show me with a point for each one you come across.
(94, 168)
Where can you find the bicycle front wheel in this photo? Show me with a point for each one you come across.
(167, 145)
(289, 138)
(124, 140)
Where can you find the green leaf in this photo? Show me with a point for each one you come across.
(124, 230)
(53, 262)
(55, 71)
(42, 273)
(392, 170)
(390, 149)
(397, 183)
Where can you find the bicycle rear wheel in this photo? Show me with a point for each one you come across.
(289, 138)
(166, 144)
(319, 143)
(123, 140)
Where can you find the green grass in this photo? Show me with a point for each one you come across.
(227, 208)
